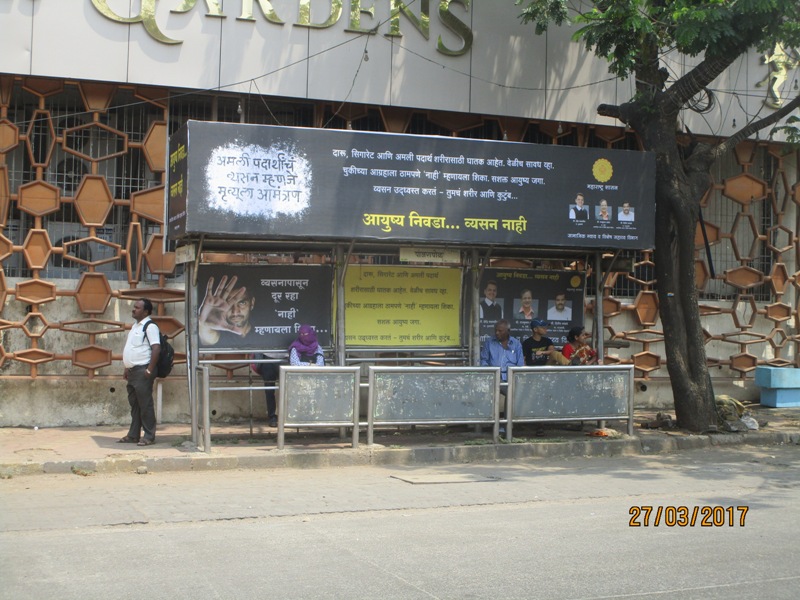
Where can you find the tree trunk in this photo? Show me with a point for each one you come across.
(679, 188)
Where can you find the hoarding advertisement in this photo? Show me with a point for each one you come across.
(402, 306)
(262, 307)
(520, 295)
(261, 181)
(178, 176)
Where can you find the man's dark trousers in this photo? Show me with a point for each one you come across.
(140, 397)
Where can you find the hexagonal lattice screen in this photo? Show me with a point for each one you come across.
(95, 142)
(6, 247)
(37, 248)
(39, 198)
(40, 140)
(93, 293)
(34, 325)
(745, 188)
(91, 357)
(646, 308)
(744, 278)
(114, 210)
(36, 291)
(93, 201)
(9, 135)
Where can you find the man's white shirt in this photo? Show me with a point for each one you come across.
(137, 350)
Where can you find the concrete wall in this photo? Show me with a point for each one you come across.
(62, 395)
(76, 402)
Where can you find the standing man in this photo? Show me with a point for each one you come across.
(502, 350)
(560, 311)
(140, 357)
(490, 309)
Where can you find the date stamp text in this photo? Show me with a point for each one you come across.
(687, 516)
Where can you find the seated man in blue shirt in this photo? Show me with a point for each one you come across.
(502, 350)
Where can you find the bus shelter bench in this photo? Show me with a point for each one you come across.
(570, 393)
(424, 395)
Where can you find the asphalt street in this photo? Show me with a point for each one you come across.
(542, 528)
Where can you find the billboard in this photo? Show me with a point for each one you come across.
(402, 306)
(265, 182)
(245, 307)
(520, 295)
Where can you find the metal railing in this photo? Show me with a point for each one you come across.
(330, 397)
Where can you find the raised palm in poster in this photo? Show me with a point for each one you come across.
(262, 307)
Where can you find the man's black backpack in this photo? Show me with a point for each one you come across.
(167, 355)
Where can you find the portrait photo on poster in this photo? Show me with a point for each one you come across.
(491, 305)
(602, 213)
(577, 210)
(626, 214)
(559, 308)
(525, 307)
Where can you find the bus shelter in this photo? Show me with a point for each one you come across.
(443, 208)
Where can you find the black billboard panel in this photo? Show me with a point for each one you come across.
(266, 182)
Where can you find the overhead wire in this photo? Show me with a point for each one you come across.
(253, 81)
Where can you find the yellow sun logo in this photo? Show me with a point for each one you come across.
(602, 170)
(575, 281)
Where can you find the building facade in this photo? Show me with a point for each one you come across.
(86, 111)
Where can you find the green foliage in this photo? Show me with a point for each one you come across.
(543, 12)
(619, 32)
(631, 34)
(791, 129)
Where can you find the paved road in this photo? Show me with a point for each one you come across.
(521, 529)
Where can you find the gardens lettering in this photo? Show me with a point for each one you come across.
(421, 22)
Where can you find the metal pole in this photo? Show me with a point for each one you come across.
(281, 407)
(206, 412)
(250, 394)
(341, 263)
(598, 312)
(598, 302)
(475, 313)
(189, 300)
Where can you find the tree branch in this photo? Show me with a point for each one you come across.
(691, 84)
(609, 110)
(751, 128)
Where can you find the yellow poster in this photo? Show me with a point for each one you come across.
(402, 306)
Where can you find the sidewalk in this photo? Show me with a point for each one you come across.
(89, 450)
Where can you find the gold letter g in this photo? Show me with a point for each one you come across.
(147, 16)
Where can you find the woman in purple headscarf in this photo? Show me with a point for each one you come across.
(305, 351)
